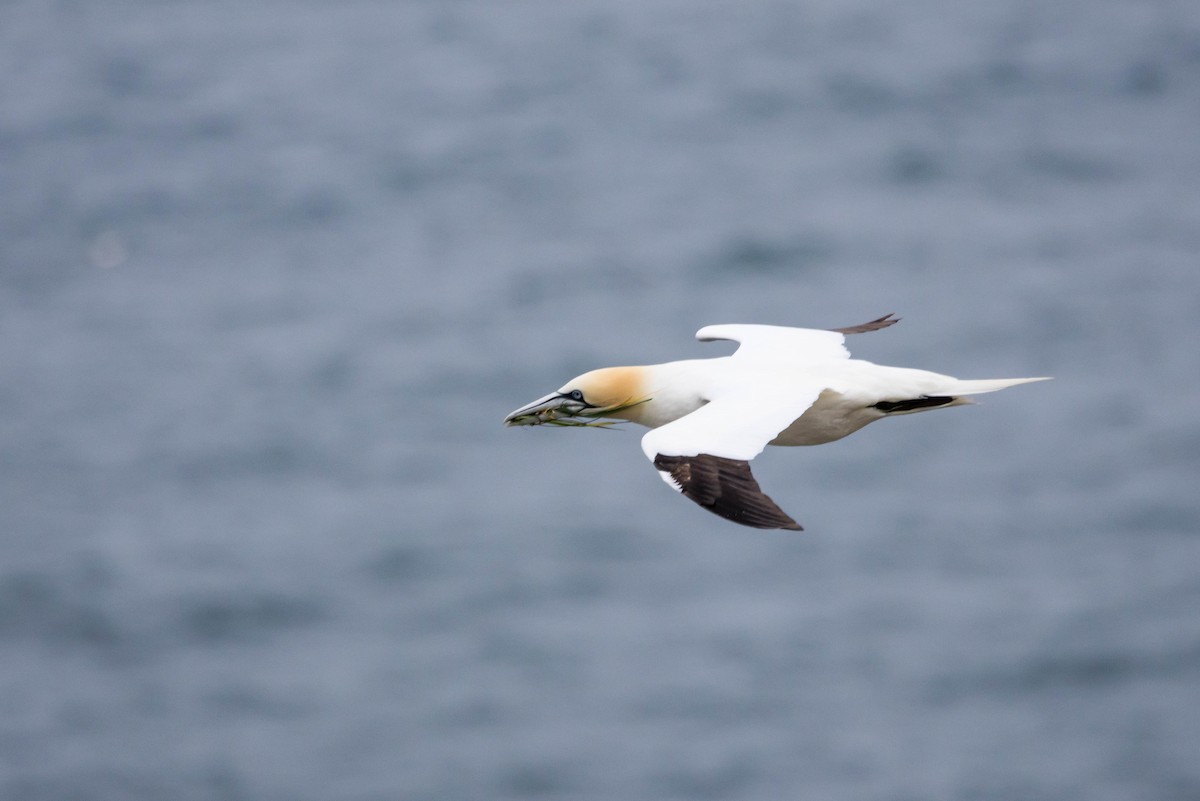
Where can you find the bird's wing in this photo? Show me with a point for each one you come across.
(781, 344)
(706, 454)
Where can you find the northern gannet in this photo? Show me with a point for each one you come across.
(782, 386)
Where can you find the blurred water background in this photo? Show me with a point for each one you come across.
(272, 273)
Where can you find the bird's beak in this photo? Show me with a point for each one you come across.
(542, 410)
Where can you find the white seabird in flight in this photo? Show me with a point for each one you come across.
(783, 386)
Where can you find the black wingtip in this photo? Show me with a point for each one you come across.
(726, 488)
(912, 404)
(883, 322)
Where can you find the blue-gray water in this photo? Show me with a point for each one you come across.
(272, 273)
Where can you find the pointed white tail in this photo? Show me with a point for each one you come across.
(982, 385)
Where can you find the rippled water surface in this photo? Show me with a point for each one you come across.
(271, 274)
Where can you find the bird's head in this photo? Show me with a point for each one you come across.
(597, 398)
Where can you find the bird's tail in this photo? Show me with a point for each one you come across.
(982, 385)
(943, 391)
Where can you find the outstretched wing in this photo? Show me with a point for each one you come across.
(706, 454)
(725, 487)
(779, 344)
(783, 345)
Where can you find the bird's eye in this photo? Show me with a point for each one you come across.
(576, 395)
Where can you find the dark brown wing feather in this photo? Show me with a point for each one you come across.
(874, 325)
(725, 487)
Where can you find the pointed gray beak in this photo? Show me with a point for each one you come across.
(535, 413)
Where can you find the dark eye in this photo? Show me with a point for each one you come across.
(576, 395)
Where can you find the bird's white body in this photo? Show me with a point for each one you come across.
(783, 386)
(842, 405)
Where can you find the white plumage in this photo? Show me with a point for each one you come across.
(783, 386)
